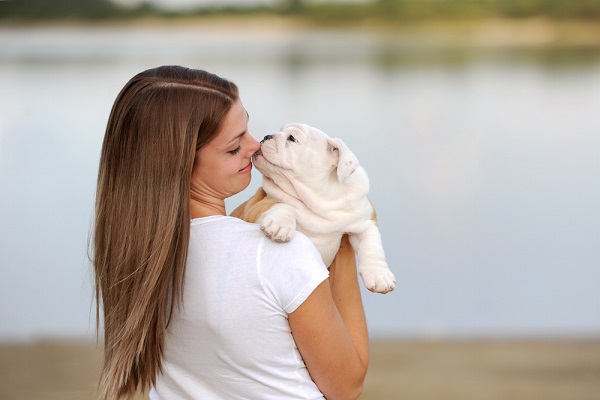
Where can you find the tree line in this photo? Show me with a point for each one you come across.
(377, 9)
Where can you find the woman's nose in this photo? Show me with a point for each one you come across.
(254, 146)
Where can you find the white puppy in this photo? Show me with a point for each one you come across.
(321, 190)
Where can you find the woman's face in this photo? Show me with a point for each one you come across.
(223, 166)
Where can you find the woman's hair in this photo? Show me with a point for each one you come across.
(141, 232)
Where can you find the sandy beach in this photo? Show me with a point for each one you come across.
(450, 370)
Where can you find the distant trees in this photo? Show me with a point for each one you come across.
(324, 11)
(69, 9)
(419, 9)
(57, 8)
(550, 8)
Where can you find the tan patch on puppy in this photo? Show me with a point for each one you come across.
(253, 208)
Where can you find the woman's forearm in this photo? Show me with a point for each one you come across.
(345, 291)
(331, 332)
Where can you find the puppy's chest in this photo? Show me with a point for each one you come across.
(327, 244)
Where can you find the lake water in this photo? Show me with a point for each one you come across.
(484, 167)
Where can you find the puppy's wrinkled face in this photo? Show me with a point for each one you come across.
(297, 150)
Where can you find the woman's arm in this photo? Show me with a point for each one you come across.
(330, 330)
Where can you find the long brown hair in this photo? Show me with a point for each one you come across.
(142, 222)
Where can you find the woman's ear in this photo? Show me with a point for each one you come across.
(345, 160)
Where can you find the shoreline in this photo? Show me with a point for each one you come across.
(532, 32)
(519, 369)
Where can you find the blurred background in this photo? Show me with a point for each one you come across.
(478, 122)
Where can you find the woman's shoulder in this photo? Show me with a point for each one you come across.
(227, 226)
(299, 248)
(217, 221)
(224, 227)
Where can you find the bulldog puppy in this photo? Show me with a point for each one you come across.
(314, 184)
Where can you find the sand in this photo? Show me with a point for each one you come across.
(485, 370)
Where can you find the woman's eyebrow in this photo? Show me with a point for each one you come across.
(241, 134)
(236, 138)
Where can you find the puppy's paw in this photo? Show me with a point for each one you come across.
(279, 222)
(378, 278)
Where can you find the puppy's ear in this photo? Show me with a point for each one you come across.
(344, 158)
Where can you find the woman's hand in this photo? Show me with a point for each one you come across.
(330, 330)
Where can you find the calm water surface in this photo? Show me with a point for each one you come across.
(484, 167)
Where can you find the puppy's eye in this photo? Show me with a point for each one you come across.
(292, 139)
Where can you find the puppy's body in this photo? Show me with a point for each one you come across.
(314, 183)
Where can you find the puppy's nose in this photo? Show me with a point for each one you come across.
(268, 137)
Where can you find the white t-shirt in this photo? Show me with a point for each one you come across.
(231, 339)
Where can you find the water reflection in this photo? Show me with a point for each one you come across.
(294, 49)
(548, 58)
(483, 164)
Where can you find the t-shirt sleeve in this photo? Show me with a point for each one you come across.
(291, 271)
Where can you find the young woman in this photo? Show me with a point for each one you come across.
(196, 304)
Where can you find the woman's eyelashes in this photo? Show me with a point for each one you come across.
(240, 137)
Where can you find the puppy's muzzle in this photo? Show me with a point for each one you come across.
(259, 151)
(268, 137)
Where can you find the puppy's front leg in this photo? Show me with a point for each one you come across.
(372, 266)
(279, 222)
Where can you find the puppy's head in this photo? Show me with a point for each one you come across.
(299, 151)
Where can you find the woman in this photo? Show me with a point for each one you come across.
(198, 304)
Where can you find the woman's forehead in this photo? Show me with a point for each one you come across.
(234, 125)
